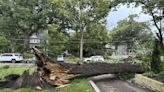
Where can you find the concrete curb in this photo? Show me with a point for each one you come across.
(149, 83)
(94, 86)
(99, 77)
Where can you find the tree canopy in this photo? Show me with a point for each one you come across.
(131, 31)
(57, 41)
(20, 19)
(3, 42)
(80, 16)
(155, 8)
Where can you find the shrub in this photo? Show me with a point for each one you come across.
(146, 62)
(156, 64)
(6, 67)
(126, 76)
(73, 58)
(149, 74)
(28, 55)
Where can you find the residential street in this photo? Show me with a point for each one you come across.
(118, 86)
(16, 64)
(81, 45)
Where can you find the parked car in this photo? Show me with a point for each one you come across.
(11, 57)
(94, 59)
(30, 60)
(60, 58)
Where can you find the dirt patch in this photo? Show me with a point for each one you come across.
(24, 81)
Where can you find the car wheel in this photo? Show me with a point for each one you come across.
(88, 61)
(84, 62)
(28, 61)
(13, 60)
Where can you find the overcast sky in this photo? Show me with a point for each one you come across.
(123, 12)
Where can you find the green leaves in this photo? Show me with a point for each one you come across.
(152, 7)
(86, 18)
(56, 40)
(3, 42)
(130, 30)
(20, 19)
(77, 13)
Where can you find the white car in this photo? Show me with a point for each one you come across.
(94, 59)
(60, 58)
(11, 57)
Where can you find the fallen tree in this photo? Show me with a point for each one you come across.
(51, 73)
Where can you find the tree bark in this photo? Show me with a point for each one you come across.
(89, 69)
(26, 42)
(50, 73)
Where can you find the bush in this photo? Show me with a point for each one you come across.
(149, 74)
(107, 56)
(73, 58)
(156, 63)
(28, 55)
(6, 67)
(161, 74)
(126, 76)
(146, 62)
(158, 77)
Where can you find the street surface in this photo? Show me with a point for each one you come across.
(105, 85)
(118, 86)
(16, 64)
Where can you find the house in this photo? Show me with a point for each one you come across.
(35, 40)
(121, 49)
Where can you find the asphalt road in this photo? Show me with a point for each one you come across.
(16, 64)
(118, 86)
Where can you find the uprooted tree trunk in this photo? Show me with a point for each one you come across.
(50, 73)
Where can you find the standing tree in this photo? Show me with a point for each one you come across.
(80, 15)
(131, 32)
(96, 37)
(155, 8)
(20, 19)
(3, 43)
(56, 41)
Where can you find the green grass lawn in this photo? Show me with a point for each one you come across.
(80, 85)
(25, 90)
(12, 70)
(72, 59)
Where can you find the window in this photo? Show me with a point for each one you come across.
(18, 55)
(7, 55)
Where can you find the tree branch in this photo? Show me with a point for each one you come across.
(155, 22)
(159, 35)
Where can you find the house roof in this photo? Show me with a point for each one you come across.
(36, 36)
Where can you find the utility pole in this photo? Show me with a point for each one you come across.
(81, 44)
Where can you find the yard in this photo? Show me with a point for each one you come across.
(79, 85)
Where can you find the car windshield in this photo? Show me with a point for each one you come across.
(96, 56)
